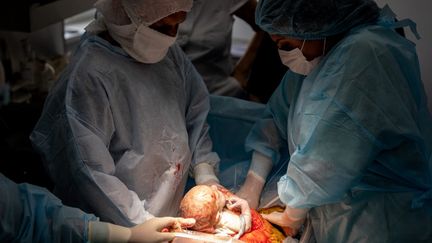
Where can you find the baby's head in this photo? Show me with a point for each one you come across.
(204, 204)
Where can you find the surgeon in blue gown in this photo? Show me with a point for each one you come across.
(29, 213)
(352, 112)
(125, 124)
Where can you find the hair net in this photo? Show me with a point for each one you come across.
(112, 11)
(313, 19)
(149, 11)
(144, 12)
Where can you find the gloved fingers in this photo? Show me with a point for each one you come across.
(172, 223)
(253, 202)
(154, 230)
(252, 197)
(276, 218)
(165, 237)
(236, 202)
(290, 226)
(164, 222)
(186, 222)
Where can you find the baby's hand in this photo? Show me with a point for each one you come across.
(239, 204)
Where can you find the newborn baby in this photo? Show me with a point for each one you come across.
(216, 210)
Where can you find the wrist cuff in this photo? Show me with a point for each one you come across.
(261, 165)
(204, 172)
(257, 177)
(98, 232)
(296, 213)
(110, 233)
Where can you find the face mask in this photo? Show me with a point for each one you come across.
(144, 45)
(297, 62)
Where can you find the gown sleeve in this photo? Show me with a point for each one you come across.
(30, 213)
(75, 143)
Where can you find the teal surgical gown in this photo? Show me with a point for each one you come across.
(119, 137)
(359, 137)
(30, 213)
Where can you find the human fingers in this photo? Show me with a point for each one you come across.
(186, 222)
(251, 198)
(274, 217)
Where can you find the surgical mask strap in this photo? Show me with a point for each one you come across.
(324, 46)
(301, 49)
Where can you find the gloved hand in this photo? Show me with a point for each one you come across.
(152, 230)
(259, 169)
(157, 229)
(290, 220)
(204, 174)
(251, 190)
(233, 203)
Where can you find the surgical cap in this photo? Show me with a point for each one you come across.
(148, 12)
(144, 12)
(313, 19)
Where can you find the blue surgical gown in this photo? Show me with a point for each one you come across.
(30, 213)
(359, 137)
(118, 137)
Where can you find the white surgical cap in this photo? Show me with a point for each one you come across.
(144, 12)
(112, 11)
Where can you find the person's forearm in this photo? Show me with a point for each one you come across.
(255, 180)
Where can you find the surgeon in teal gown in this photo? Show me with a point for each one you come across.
(352, 112)
(29, 213)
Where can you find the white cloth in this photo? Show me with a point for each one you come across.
(144, 45)
(118, 136)
(135, 37)
(297, 62)
(148, 12)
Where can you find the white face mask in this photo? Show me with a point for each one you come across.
(297, 62)
(144, 45)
